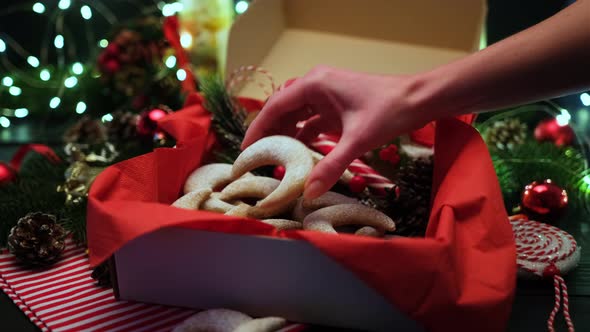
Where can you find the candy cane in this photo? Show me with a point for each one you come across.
(379, 184)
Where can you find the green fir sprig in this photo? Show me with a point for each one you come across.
(228, 118)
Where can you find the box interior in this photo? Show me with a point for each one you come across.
(288, 38)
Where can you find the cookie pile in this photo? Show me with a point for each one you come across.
(233, 190)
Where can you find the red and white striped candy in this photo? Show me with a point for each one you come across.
(377, 183)
(546, 251)
(540, 245)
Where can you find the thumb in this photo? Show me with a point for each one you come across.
(327, 172)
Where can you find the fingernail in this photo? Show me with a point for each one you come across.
(313, 190)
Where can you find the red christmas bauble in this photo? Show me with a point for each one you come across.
(551, 130)
(147, 126)
(544, 201)
(357, 184)
(7, 173)
(279, 172)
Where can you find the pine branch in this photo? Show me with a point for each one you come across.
(227, 119)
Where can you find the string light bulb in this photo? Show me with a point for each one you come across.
(15, 90)
(564, 118)
(186, 40)
(171, 61)
(4, 122)
(7, 81)
(45, 75)
(181, 74)
(58, 42)
(585, 99)
(80, 107)
(2, 46)
(103, 43)
(39, 8)
(107, 117)
(70, 82)
(77, 68)
(21, 112)
(86, 12)
(54, 102)
(33, 61)
(241, 6)
(172, 8)
(64, 4)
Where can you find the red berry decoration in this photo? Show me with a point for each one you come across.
(7, 173)
(551, 130)
(390, 154)
(112, 66)
(147, 126)
(357, 184)
(544, 201)
(279, 172)
(550, 271)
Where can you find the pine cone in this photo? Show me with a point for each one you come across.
(412, 204)
(37, 239)
(102, 275)
(86, 131)
(506, 134)
(123, 126)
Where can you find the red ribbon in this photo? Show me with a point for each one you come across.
(171, 28)
(9, 170)
(24, 150)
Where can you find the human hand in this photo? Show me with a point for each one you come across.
(366, 110)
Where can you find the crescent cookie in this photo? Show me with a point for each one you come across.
(240, 210)
(255, 187)
(283, 224)
(215, 204)
(266, 324)
(305, 207)
(214, 320)
(369, 231)
(192, 200)
(209, 176)
(248, 187)
(324, 219)
(278, 150)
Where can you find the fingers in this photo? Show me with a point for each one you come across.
(327, 172)
(284, 102)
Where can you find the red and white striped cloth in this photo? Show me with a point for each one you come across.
(65, 298)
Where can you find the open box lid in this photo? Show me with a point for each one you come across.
(289, 37)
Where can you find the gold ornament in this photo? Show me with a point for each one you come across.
(79, 176)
